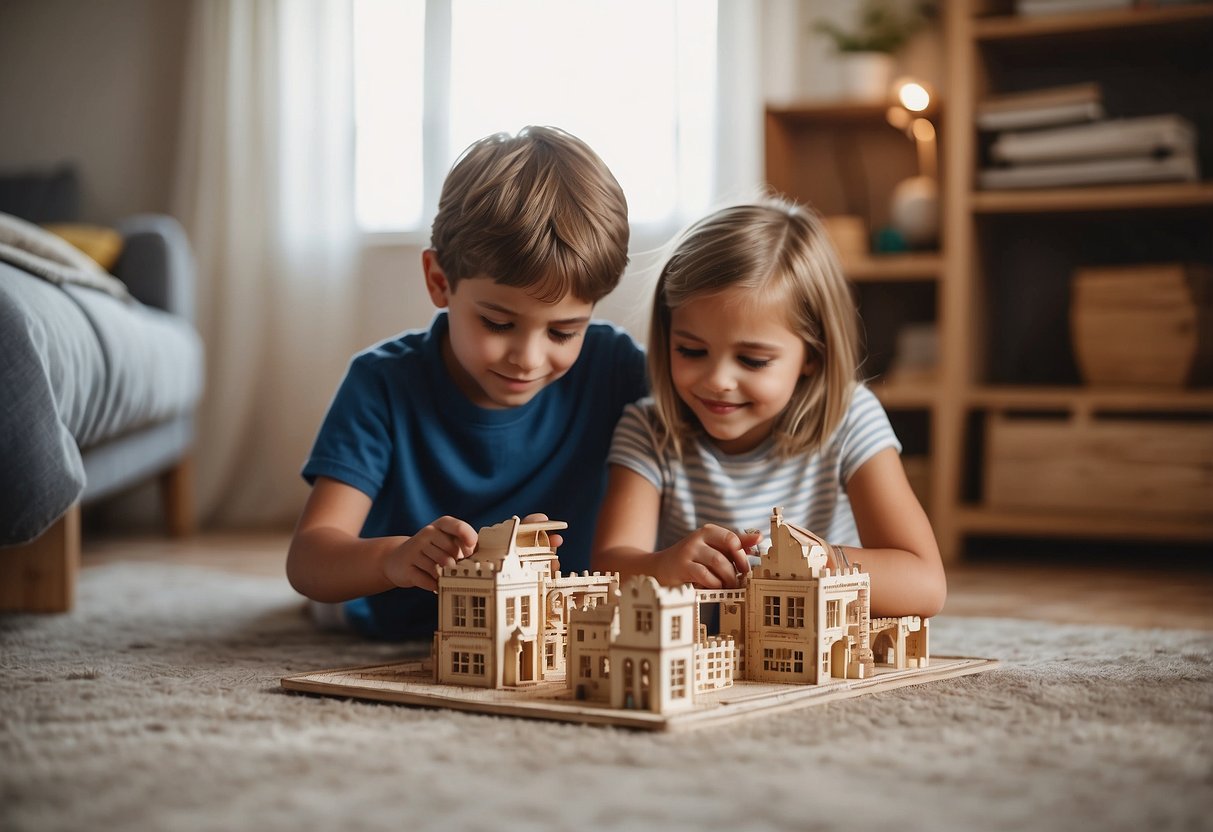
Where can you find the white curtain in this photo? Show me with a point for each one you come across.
(264, 188)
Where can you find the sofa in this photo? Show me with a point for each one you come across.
(99, 381)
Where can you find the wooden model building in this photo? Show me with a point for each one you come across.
(507, 617)
(517, 636)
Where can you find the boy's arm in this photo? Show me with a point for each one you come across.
(328, 560)
(627, 528)
(899, 549)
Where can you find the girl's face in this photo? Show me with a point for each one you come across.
(735, 362)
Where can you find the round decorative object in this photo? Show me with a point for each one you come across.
(914, 211)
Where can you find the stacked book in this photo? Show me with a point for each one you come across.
(1059, 137)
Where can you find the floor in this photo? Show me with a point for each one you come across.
(1176, 596)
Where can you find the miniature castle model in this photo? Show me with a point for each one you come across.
(508, 618)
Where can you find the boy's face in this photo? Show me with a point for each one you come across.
(505, 345)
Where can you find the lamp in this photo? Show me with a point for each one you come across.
(914, 205)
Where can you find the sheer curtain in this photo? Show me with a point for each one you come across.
(264, 187)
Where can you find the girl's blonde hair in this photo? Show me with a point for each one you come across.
(772, 248)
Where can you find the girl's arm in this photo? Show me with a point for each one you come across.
(899, 549)
(329, 561)
(627, 530)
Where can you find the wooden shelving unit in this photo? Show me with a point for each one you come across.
(991, 50)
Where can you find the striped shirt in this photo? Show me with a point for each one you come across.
(738, 491)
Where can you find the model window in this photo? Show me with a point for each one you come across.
(509, 612)
(478, 608)
(459, 610)
(587, 667)
(770, 610)
(676, 627)
(526, 611)
(478, 664)
(678, 679)
(644, 621)
(796, 612)
(832, 619)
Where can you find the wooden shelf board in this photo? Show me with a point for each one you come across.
(1012, 27)
(1109, 398)
(831, 111)
(905, 395)
(879, 268)
(1096, 198)
(981, 520)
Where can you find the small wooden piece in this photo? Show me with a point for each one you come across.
(517, 636)
(40, 576)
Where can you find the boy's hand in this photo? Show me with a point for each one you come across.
(711, 558)
(442, 543)
(538, 517)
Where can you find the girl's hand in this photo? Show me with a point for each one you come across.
(442, 543)
(712, 557)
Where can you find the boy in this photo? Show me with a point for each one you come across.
(506, 405)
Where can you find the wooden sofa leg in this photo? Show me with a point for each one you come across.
(40, 576)
(177, 497)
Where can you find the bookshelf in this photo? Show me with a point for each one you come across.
(1006, 271)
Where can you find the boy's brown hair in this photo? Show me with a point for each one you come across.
(538, 211)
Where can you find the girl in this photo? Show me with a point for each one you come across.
(753, 357)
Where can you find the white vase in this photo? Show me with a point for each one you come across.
(866, 75)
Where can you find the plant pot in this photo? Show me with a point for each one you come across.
(865, 76)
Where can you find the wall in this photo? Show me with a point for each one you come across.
(96, 84)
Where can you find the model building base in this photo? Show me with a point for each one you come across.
(412, 683)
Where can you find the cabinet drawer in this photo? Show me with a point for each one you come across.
(1098, 464)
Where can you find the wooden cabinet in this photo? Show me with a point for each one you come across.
(1014, 381)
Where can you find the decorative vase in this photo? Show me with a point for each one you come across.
(866, 75)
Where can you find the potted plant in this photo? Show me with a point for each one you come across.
(866, 52)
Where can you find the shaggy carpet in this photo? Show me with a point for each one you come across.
(157, 706)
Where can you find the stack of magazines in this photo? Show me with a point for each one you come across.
(1060, 137)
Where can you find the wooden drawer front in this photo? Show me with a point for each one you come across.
(1104, 465)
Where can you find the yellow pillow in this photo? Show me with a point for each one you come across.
(104, 245)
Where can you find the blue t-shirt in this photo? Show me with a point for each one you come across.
(402, 432)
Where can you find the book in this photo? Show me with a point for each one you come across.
(1044, 107)
(1158, 135)
(1180, 167)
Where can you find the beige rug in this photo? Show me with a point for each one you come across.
(157, 706)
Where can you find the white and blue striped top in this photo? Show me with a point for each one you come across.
(738, 491)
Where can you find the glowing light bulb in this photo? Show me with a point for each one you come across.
(913, 96)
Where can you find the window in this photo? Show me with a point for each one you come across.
(549, 653)
(604, 667)
(459, 610)
(832, 619)
(795, 612)
(770, 610)
(678, 679)
(432, 76)
(478, 608)
(460, 662)
(676, 628)
(509, 612)
(581, 634)
(644, 621)
(780, 660)
(587, 667)
(526, 611)
(478, 664)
